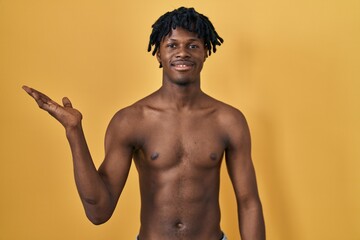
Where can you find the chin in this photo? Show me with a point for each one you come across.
(183, 81)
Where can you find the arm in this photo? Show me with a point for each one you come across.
(98, 190)
(242, 175)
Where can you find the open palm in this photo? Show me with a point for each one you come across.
(65, 114)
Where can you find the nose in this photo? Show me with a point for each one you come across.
(182, 52)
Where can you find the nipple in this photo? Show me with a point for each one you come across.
(213, 156)
(154, 156)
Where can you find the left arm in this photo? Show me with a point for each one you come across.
(242, 175)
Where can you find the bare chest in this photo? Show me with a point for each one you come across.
(174, 142)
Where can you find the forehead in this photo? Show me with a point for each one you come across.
(181, 34)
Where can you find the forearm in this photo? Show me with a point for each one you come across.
(93, 192)
(251, 221)
(92, 189)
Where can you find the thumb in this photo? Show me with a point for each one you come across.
(66, 102)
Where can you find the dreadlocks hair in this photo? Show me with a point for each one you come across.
(189, 19)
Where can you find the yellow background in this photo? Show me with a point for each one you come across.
(292, 67)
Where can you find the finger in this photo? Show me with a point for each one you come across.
(43, 101)
(36, 94)
(28, 90)
(66, 102)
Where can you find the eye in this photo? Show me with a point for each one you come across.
(193, 46)
(171, 45)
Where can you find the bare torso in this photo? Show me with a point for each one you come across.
(178, 155)
(177, 138)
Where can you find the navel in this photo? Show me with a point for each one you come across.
(154, 156)
(179, 225)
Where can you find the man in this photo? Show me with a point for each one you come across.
(176, 137)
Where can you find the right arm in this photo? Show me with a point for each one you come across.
(99, 190)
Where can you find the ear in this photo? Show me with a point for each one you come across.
(205, 56)
(158, 56)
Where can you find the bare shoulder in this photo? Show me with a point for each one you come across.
(132, 114)
(233, 123)
(125, 122)
(229, 115)
(127, 115)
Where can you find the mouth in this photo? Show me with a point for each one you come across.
(182, 65)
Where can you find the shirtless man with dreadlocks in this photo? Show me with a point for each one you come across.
(177, 138)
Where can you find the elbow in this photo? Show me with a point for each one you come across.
(96, 213)
(97, 219)
(98, 210)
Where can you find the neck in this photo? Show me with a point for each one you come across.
(181, 96)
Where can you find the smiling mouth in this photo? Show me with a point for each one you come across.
(182, 65)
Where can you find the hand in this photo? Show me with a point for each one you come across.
(66, 114)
